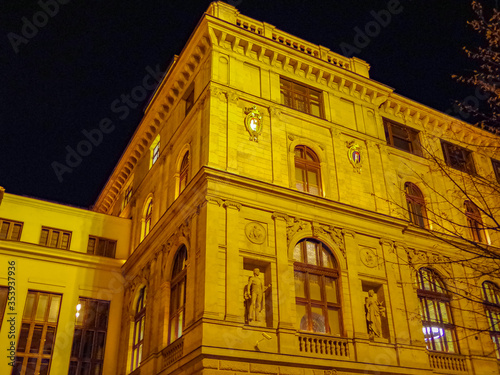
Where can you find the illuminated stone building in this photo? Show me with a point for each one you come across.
(260, 150)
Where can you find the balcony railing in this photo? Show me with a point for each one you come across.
(449, 362)
(173, 352)
(328, 346)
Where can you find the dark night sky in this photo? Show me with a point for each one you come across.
(65, 78)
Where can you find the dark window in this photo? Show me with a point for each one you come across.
(37, 335)
(189, 100)
(55, 238)
(183, 172)
(458, 157)
(474, 221)
(307, 171)
(147, 218)
(89, 340)
(302, 98)
(491, 295)
(127, 196)
(435, 309)
(317, 293)
(496, 168)
(138, 335)
(4, 293)
(402, 137)
(10, 230)
(178, 295)
(101, 246)
(416, 205)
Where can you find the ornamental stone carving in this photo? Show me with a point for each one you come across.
(368, 257)
(255, 232)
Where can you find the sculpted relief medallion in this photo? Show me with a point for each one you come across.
(368, 257)
(255, 232)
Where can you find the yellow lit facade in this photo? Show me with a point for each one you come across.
(260, 150)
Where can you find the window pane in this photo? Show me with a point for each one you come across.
(16, 232)
(77, 337)
(43, 304)
(450, 340)
(300, 279)
(30, 368)
(318, 319)
(327, 259)
(4, 230)
(28, 307)
(54, 238)
(302, 322)
(49, 340)
(54, 309)
(44, 236)
(91, 246)
(311, 253)
(65, 241)
(314, 287)
(36, 338)
(297, 253)
(334, 321)
(331, 289)
(23, 338)
(88, 340)
(432, 311)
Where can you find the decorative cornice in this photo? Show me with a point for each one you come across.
(232, 205)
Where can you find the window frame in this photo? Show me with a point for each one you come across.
(10, 230)
(307, 166)
(184, 172)
(32, 322)
(433, 300)
(83, 326)
(492, 309)
(138, 326)
(496, 169)
(59, 241)
(415, 202)
(450, 157)
(148, 215)
(96, 248)
(412, 137)
(319, 272)
(177, 311)
(289, 94)
(127, 195)
(474, 221)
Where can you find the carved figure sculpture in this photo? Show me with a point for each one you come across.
(254, 295)
(374, 312)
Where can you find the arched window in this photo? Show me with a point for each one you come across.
(316, 288)
(307, 170)
(435, 309)
(148, 213)
(178, 294)
(183, 172)
(474, 221)
(138, 335)
(491, 295)
(416, 205)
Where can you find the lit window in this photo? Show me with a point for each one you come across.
(147, 218)
(155, 151)
(307, 171)
(474, 221)
(127, 196)
(101, 246)
(496, 168)
(55, 238)
(89, 339)
(301, 98)
(10, 230)
(416, 205)
(317, 288)
(491, 295)
(402, 137)
(435, 310)
(178, 295)
(38, 331)
(183, 172)
(458, 157)
(138, 334)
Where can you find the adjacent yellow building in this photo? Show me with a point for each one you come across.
(276, 212)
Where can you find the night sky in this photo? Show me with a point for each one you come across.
(63, 77)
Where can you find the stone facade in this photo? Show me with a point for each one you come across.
(225, 186)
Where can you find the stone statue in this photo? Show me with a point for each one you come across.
(254, 296)
(374, 312)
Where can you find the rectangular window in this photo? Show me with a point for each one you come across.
(127, 196)
(458, 157)
(156, 152)
(38, 331)
(301, 98)
(89, 339)
(10, 230)
(402, 137)
(58, 238)
(496, 168)
(4, 293)
(101, 246)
